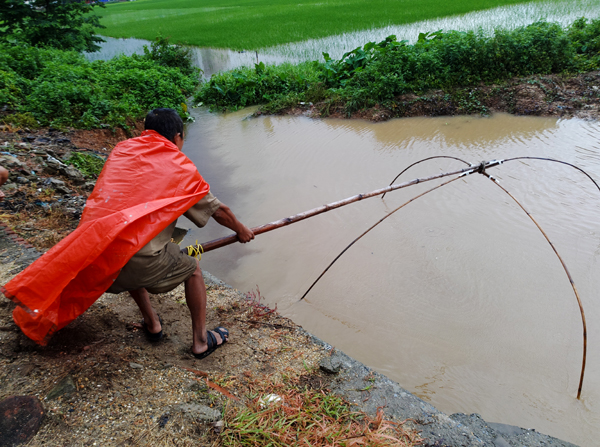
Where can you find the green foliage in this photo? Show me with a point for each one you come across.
(168, 55)
(248, 86)
(90, 165)
(64, 24)
(61, 88)
(379, 72)
(21, 120)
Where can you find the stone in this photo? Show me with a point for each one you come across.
(20, 419)
(73, 174)
(22, 180)
(197, 412)
(89, 186)
(331, 364)
(135, 365)
(11, 162)
(65, 387)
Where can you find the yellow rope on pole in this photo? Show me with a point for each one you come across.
(195, 251)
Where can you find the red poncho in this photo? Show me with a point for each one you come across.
(146, 183)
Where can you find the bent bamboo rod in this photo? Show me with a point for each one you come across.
(583, 362)
(227, 240)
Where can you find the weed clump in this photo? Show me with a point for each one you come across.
(287, 414)
(89, 165)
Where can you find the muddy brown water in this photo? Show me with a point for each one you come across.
(458, 297)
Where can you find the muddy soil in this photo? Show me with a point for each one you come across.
(552, 95)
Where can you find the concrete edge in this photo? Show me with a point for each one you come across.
(370, 390)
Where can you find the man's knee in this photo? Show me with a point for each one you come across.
(3, 175)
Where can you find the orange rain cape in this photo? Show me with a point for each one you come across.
(146, 183)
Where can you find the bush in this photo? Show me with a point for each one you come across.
(61, 88)
(244, 87)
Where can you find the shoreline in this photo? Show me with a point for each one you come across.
(562, 96)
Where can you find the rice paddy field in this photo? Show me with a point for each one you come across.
(254, 24)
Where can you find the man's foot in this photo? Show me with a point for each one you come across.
(153, 336)
(214, 339)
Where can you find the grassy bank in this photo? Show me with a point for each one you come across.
(240, 25)
(50, 87)
(379, 72)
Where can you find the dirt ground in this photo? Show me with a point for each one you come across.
(100, 381)
(116, 388)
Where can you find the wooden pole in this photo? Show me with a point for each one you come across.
(227, 240)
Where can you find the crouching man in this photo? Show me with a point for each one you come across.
(160, 266)
(123, 239)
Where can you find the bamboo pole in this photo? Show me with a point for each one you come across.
(227, 240)
(583, 362)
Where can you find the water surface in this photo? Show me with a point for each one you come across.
(458, 297)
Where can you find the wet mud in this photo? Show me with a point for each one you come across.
(551, 95)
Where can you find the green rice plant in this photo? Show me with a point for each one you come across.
(242, 25)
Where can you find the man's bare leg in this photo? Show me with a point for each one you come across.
(195, 296)
(142, 299)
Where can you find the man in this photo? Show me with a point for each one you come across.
(122, 241)
(160, 266)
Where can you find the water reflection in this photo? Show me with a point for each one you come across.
(209, 60)
(457, 297)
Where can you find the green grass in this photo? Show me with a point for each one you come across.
(253, 24)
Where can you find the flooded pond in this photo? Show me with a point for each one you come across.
(458, 297)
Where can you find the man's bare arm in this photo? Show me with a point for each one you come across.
(224, 216)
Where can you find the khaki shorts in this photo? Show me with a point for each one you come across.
(157, 274)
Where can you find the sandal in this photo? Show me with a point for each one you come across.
(212, 342)
(153, 337)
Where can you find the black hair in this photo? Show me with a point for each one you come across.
(166, 122)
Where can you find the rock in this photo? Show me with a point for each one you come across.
(197, 386)
(197, 412)
(66, 156)
(20, 419)
(62, 141)
(22, 180)
(11, 162)
(58, 185)
(331, 364)
(42, 140)
(73, 174)
(89, 186)
(135, 365)
(65, 387)
(9, 186)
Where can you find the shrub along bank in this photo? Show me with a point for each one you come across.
(50, 87)
(379, 72)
